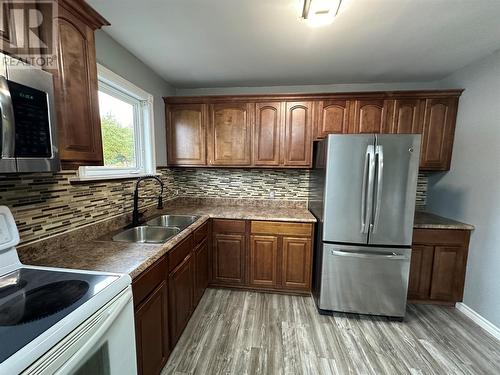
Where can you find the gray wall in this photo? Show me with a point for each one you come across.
(119, 60)
(470, 191)
(310, 88)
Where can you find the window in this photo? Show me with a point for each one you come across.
(126, 113)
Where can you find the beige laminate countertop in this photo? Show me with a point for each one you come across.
(427, 220)
(134, 258)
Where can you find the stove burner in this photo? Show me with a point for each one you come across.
(24, 307)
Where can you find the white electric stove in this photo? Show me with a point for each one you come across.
(61, 321)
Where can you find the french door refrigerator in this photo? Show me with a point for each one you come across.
(362, 191)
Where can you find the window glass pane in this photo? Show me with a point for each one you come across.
(117, 126)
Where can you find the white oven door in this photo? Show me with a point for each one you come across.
(103, 345)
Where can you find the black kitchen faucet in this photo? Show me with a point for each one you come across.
(136, 214)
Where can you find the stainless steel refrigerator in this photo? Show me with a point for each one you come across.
(362, 191)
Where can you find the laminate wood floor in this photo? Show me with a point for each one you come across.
(239, 332)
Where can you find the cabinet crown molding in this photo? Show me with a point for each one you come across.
(85, 12)
(424, 94)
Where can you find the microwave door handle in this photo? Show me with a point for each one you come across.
(380, 178)
(8, 125)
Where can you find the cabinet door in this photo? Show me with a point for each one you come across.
(333, 117)
(296, 263)
(406, 116)
(180, 298)
(151, 331)
(298, 137)
(75, 90)
(229, 259)
(201, 271)
(230, 134)
(186, 138)
(419, 284)
(447, 274)
(263, 261)
(369, 116)
(267, 133)
(438, 133)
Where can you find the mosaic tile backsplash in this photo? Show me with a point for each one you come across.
(45, 204)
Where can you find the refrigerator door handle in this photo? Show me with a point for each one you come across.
(367, 189)
(369, 255)
(7, 120)
(379, 155)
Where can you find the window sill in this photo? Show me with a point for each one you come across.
(83, 179)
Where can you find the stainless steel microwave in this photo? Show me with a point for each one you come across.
(28, 141)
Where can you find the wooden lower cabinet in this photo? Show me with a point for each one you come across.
(279, 256)
(263, 261)
(296, 263)
(201, 257)
(438, 265)
(151, 327)
(229, 251)
(180, 301)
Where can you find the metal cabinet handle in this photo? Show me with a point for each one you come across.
(366, 255)
(8, 125)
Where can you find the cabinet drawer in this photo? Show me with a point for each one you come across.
(200, 234)
(441, 236)
(281, 228)
(179, 253)
(149, 280)
(228, 226)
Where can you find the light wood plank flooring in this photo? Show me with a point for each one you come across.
(239, 332)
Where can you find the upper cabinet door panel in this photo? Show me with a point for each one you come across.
(230, 134)
(333, 117)
(75, 91)
(369, 116)
(298, 137)
(266, 134)
(406, 116)
(438, 133)
(186, 139)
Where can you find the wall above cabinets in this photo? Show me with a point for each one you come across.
(277, 131)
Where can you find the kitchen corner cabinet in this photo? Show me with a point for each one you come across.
(186, 134)
(438, 264)
(75, 85)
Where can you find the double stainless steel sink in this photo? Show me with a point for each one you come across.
(157, 230)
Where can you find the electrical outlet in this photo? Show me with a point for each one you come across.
(272, 194)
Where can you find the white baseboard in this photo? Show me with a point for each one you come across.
(479, 320)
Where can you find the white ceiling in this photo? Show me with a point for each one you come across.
(212, 43)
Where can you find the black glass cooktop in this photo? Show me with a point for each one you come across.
(32, 301)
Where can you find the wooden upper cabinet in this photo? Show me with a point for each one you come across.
(405, 116)
(332, 117)
(186, 134)
(229, 137)
(298, 134)
(267, 134)
(75, 85)
(438, 133)
(369, 116)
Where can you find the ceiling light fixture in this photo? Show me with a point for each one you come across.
(319, 12)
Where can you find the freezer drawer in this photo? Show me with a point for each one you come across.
(364, 280)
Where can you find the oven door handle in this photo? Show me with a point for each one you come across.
(8, 124)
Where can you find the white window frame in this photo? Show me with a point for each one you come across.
(143, 129)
